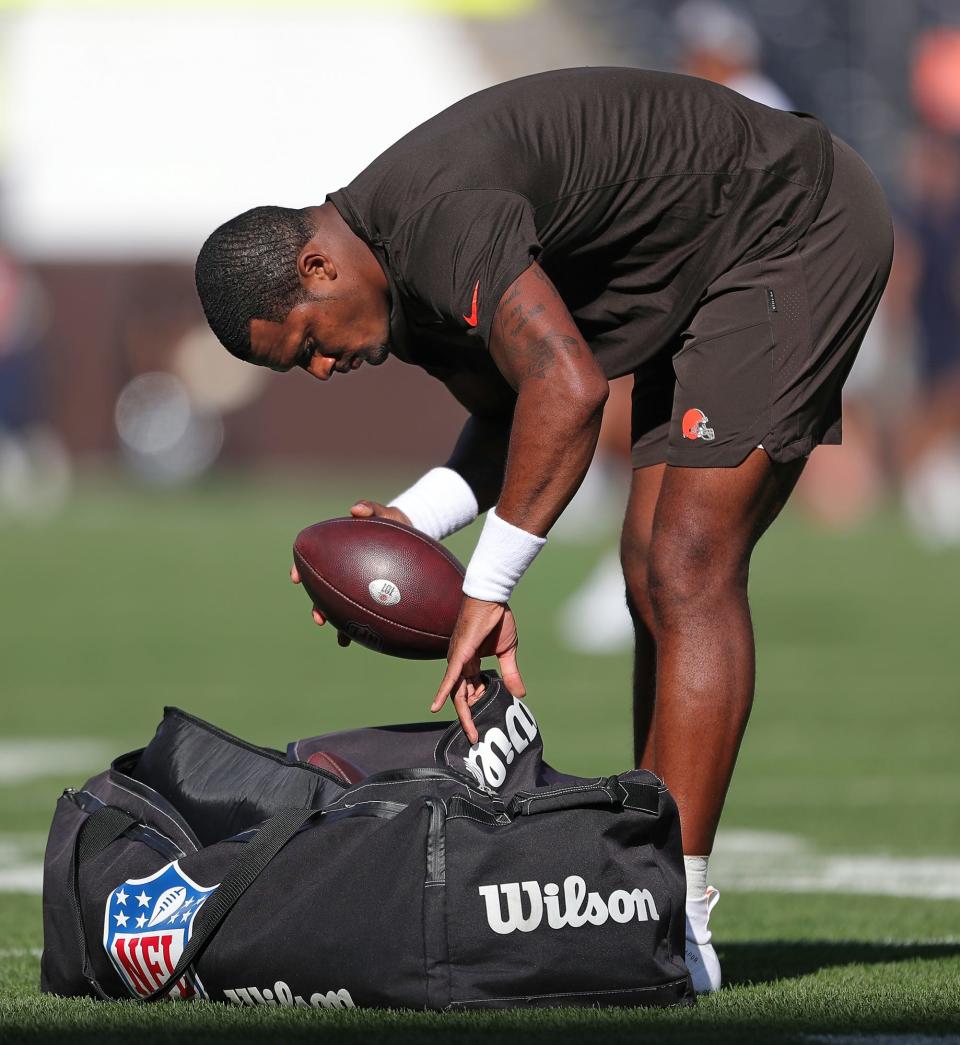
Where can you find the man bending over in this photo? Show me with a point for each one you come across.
(527, 245)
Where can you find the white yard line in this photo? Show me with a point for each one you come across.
(21, 863)
(760, 861)
(32, 758)
(22, 878)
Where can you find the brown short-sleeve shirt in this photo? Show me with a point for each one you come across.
(633, 190)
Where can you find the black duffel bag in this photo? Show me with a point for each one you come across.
(386, 867)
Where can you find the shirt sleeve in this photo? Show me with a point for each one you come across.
(462, 252)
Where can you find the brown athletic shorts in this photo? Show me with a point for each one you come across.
(765, 356)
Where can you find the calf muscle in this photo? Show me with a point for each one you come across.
(634, 556)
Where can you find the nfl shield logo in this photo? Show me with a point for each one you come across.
(146, 926)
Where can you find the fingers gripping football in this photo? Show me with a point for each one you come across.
(318, 617)
(373, 509)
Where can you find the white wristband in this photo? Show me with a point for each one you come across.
(439, 503)
(503, 553)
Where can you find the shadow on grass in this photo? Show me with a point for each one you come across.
(767, 1004)
(769, 960)
(599, 1027)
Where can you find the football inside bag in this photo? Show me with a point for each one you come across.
(390, 866)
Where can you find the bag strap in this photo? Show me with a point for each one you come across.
(610, 792)
(270, 839)
(106, 825)
(101, 828)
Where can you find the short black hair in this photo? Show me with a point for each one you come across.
(247, 269)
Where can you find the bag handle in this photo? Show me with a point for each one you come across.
(100, 828)
(106, 825)
(609, 792)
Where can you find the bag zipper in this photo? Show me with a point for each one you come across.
(148, 834)
(436, 844)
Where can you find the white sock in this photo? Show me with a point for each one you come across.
(696, 869)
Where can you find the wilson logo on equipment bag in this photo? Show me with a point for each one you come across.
(282, 995)
(488, 759)
(579, 907)
(146, 925)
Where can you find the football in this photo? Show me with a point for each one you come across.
(336, 765)
(385, 585)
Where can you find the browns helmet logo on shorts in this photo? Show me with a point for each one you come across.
(694, 425)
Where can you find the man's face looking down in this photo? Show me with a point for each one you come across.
(342, 322)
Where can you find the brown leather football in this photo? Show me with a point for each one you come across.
(388, 586)
(340, 767)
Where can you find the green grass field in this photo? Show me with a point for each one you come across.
(839, 855)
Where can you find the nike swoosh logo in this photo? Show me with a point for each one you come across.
(472, 318)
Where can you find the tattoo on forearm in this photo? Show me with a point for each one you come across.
(541, 355)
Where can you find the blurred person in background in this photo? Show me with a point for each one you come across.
(928, 278)
(34, 469)
(927, 284)
(716, 43)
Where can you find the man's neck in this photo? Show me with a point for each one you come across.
(328, 224)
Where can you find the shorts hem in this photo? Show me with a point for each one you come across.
(802, 447)
(778, 453)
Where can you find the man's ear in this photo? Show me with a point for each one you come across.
(315, 265)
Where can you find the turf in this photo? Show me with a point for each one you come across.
(135, 599)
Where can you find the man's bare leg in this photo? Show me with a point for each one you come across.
(707, 522)
(634, 555)
(687, 541)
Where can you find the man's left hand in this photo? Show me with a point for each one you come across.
(483, 629)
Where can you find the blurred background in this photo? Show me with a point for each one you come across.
(151, 485)
(130, 130)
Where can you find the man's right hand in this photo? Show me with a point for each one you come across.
(360, 510)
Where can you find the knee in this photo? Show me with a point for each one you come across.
(694, 574)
